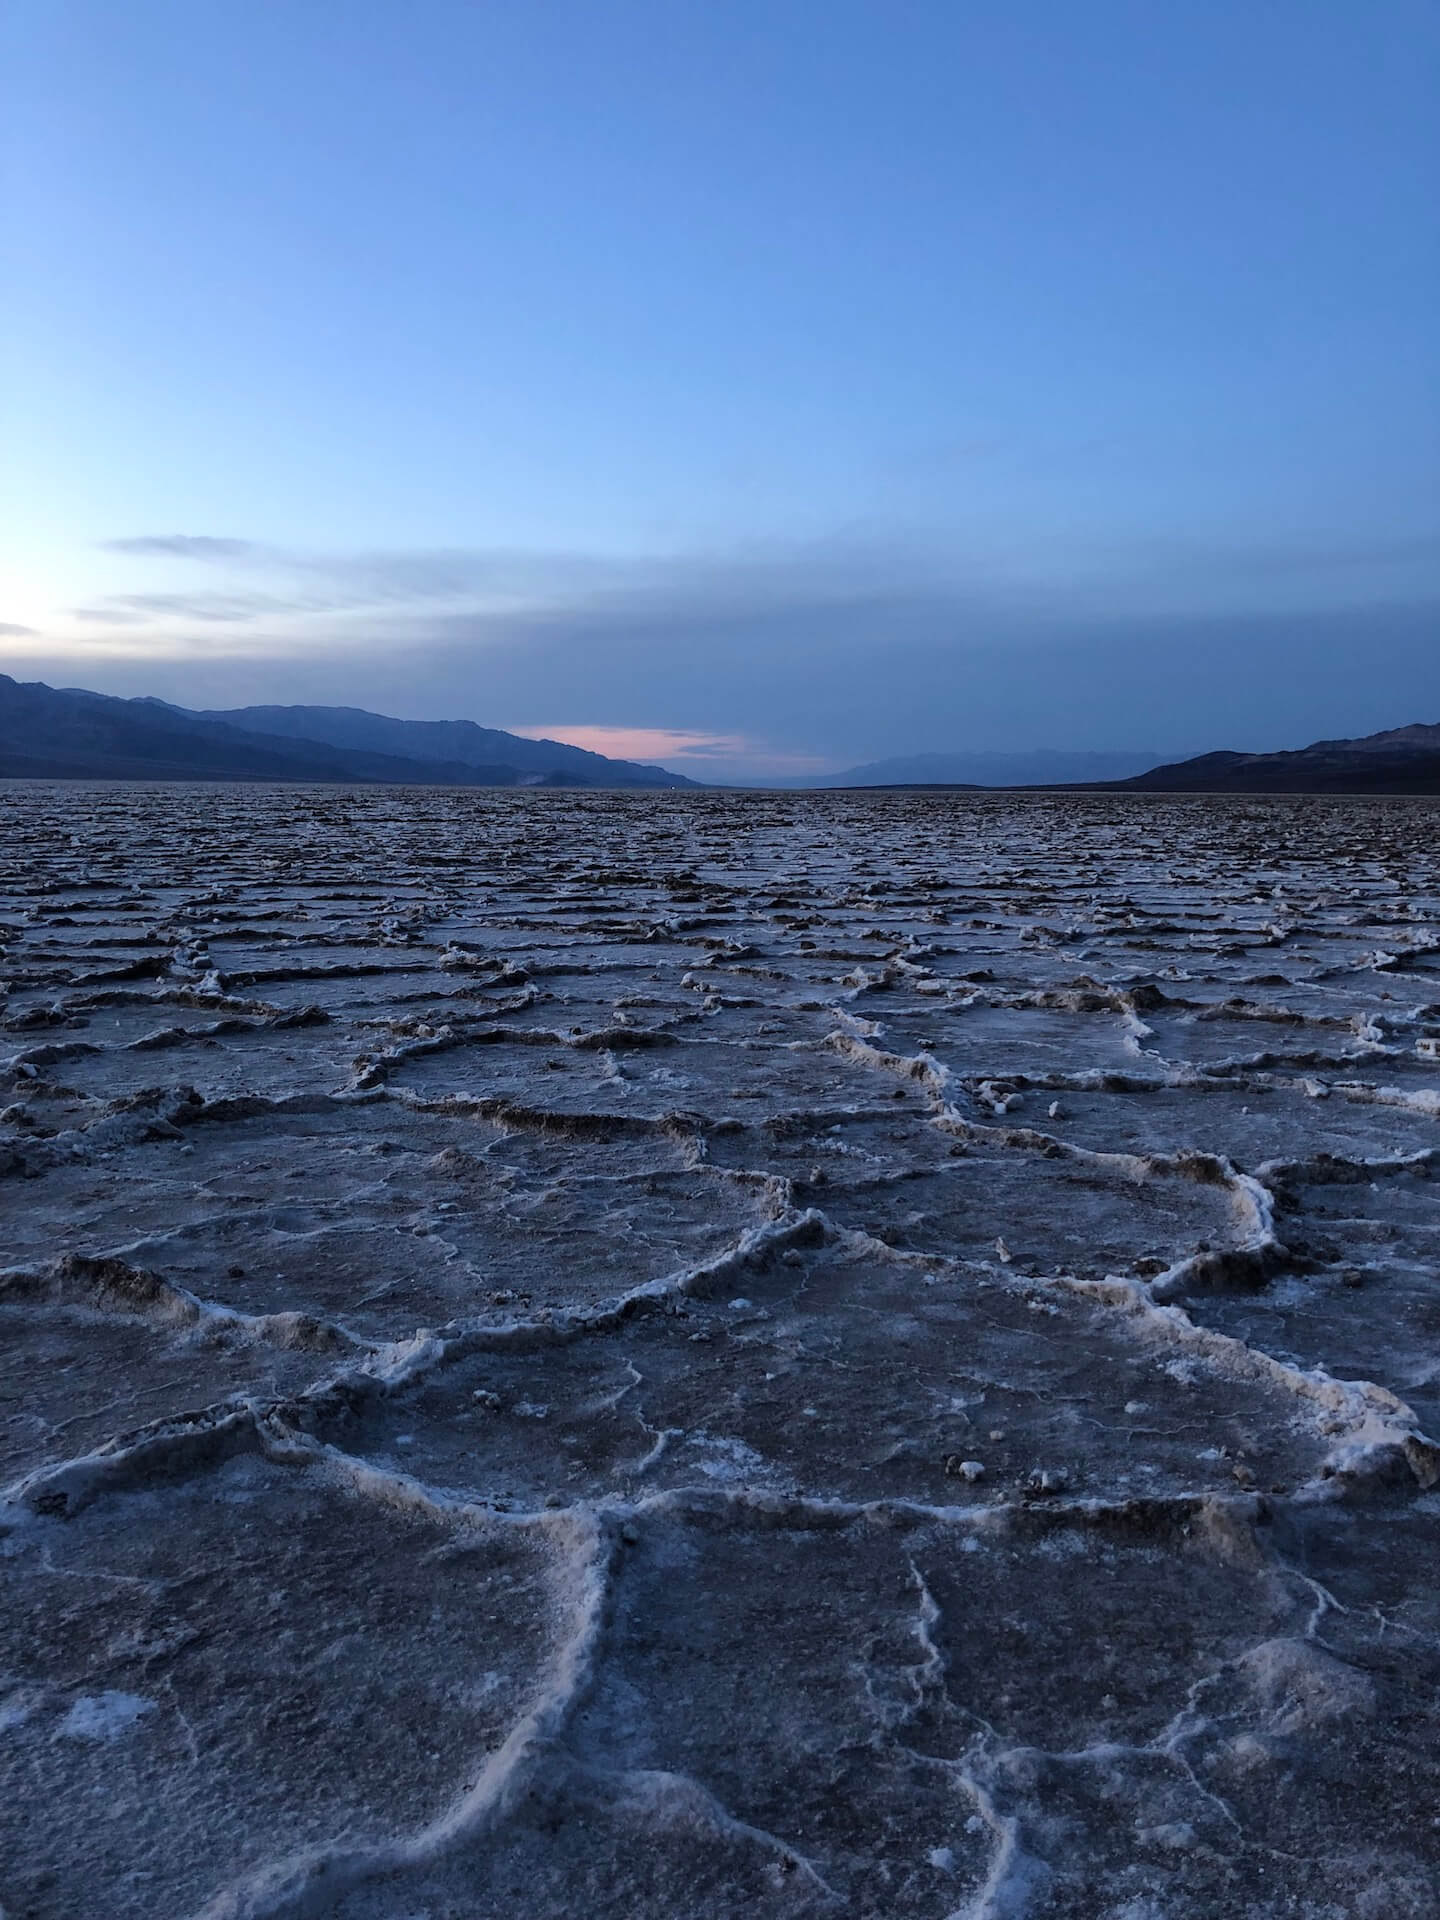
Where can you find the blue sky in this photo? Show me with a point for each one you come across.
(774, 385)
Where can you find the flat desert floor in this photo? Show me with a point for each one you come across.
(718, 1354)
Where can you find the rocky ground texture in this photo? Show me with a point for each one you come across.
(717, 1354)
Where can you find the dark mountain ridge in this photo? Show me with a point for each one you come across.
(67, 733)
(1401, 760)
(459, 742)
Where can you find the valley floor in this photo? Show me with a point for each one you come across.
(702, 1354)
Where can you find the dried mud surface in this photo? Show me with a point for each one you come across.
(622, 1355)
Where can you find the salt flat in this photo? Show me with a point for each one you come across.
(712, 1354)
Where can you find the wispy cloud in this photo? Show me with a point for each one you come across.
(342, 582)
(865, 566)
(198, 606)
(9, 630)
(852, 563)
(184, 546)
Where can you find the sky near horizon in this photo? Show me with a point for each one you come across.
(759, 387)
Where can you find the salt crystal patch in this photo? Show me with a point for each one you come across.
(103, 1716)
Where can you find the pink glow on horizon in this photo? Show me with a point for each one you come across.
(641, 743)
(704, 755)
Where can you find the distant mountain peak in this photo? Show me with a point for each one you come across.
(1046, 766)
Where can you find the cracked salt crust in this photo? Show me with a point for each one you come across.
(830, 1354)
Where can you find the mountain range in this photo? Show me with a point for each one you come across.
(50, 733)
(1404, 760)
(65, 733)
(1050, 768)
